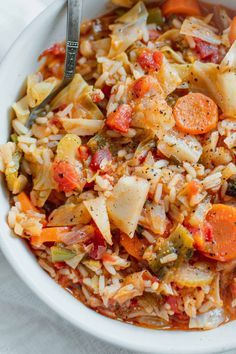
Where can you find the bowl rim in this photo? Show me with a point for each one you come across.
(112, 331)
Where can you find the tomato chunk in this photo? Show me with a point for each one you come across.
(98, 245)
(207, 51)
(66, 176)
(83, 152)
(58, 50)
(142, 86)
(120, 119)
(99, 157)
(107, 90)
(150, 60)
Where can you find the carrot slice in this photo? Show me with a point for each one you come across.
(133, 246)
(232, 32)
(182, 7)
(25, 202)
(195, 114)
(50, 234)
(222, 219)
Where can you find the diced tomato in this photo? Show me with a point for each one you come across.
(173, 302)
(61, 107)
(133, 302)
(64, 281)
(178, 314)
(233, 288)
(107, 257)
(107, 90)
(120, 119)
(150, 60)
(89, 184)
(99, 157)
(153, 34)
(207, 51)
(142, 86)
(83, 152)
(169, 226)
(99, 245)
(58, 50)
(148, 276)
(59, 265)
(55, 121)
(97, 96)
(66, 176)
(142, 157)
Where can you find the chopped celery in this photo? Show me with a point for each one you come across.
(180, 242)
(155, 16)
(60, 254)
(97, 142)
(14, 138)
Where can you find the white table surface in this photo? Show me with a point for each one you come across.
(27, 325)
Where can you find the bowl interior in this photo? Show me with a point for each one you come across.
(21, 60)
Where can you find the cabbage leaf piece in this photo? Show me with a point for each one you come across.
(197, 28)
(82, 127)
(98, 211)
(126, 203)
(180, 146)
(69, 215)
(78, 93)
(128, 29)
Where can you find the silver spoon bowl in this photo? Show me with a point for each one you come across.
(74, 17)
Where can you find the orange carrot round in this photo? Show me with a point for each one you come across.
(195, 114)
(222, 219)
(181, 7)
(232, 32)
(133, 246)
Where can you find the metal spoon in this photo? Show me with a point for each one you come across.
(74, 16)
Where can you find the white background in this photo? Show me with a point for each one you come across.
(28, 326)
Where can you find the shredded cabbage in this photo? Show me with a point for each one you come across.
(82, 127)
(128, 29)
(78, 93)
(229, 60)
(195, 27)
(126, 203)
(208, 320)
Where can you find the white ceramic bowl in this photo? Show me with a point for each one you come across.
(21, 60)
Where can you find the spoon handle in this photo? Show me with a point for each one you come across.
(74, 16)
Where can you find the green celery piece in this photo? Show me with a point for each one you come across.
(97, 142)
(155, 16)
(60, 254)
(179, 242)
(14, 138)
